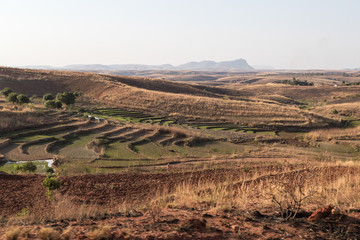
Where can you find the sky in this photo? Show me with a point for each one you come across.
(285, 34)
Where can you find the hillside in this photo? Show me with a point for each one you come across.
(161, 97)
(141, 158)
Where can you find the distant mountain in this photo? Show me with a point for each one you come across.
(236, 65)
(118, 67)
(239, 64)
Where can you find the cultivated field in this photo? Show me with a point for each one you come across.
(141, 158)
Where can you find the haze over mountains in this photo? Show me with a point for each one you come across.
(235, 65)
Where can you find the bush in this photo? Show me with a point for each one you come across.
(48, 96)
(49, 169)
(335, 111)
(12, 97)
(67, 98)
(51, 183)
(58, 104)
(6, 91)
(26, 167)
(21, 98)
(29, 167)
(294, 81)
(53, 104)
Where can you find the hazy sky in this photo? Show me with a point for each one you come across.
(292, 34)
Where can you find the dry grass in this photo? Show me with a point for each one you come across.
(279, 192)
(13, 233)
(14, 120)
(167, 98)
(102, 233)
(334, 133)
(48, 234)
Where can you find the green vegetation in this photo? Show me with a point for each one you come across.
(6, 91)
(48, 97)
(21, 98)
(12, 97)
(354, 123)
(51, 183)
(294, 81)
(26, 167)
(131, 116)
(67, 98)
(14, 167)
(53, 104)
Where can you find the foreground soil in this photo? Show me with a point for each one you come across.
(22, 195)
(192, 224)
(25, 192)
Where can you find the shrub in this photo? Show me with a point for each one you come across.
(50, 104)
(6, 91)
(53, 104)
(51, 183)
(58, 104)
(29, 167)
(335, 111)
(26, 167)
(49, 169)
(12, 97)
(48, 96)
(67, 98)
(21, 98)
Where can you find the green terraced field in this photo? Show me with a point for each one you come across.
(118, 150)
(153, 150)
(130, 116)
(354, 123)
(76, 148)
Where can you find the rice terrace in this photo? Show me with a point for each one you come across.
(135, 158)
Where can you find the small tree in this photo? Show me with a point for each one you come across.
(12, 97)
(26, 167)
(6, 91)
(48, 96)
(51, 183)
(53, 104)
(50, 104)
(67, 98)
(21, 98)
(58, 104)
(29, 167)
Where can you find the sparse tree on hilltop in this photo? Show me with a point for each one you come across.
(12, 97)
(6, 91)
(21, 98)
(53, 104)
(48, 96)
(67, 98)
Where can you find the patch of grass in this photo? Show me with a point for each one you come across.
(118, 150)
(77, 147)
(354, 123)
(153, 150)
(41, 167)
(30, 138)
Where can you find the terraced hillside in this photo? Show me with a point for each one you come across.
(165, 98)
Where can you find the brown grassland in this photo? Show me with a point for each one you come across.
(222, 156)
